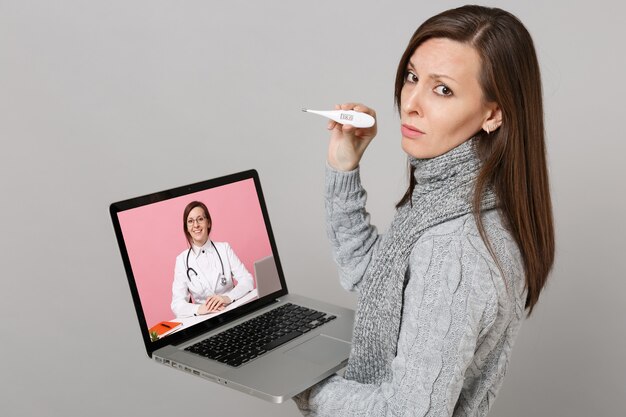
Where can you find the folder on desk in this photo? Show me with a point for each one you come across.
(164, 327)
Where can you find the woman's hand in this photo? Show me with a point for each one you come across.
(214, 304)
(347, 143)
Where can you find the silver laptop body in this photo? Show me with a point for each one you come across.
(276, 375)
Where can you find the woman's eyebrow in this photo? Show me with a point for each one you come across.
(441, 76)
(434, 76)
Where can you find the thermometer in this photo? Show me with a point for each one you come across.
(346, 117)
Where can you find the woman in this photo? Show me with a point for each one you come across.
(442, 294)
(203, 276)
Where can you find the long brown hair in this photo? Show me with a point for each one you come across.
(513, 158)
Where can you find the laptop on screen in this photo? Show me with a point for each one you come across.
(210, 294)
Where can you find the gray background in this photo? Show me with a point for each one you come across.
(102, 101)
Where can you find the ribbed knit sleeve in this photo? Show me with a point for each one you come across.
(352, 238)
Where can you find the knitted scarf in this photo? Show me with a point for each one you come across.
(444, 191)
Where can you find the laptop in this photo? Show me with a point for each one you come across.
(268, 343)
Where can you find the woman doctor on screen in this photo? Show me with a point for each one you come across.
(205, 271)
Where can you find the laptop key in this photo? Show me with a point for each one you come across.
(234, 363)
(211, 354)
(227, 359)
(315, 316)
(282, 340)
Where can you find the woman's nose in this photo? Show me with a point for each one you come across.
(411, 101)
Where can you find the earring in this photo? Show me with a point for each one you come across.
(487, 129)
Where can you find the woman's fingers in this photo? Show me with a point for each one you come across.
(364, 109)
(211, 303)
(214, 303)
(357, 107)
(348, 128)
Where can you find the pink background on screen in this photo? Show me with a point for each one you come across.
(154, 238)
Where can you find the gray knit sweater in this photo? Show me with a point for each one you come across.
(460, 316)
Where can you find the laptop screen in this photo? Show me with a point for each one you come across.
(197, 256)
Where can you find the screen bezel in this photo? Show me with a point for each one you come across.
(214, 322)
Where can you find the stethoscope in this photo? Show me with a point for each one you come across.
(221, 276)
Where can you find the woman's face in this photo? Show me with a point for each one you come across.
(198, 226)
(441, 103)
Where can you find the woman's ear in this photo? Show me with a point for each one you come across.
(493, 118)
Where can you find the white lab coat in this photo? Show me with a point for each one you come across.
(206, 263)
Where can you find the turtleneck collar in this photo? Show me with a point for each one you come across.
(463, 158)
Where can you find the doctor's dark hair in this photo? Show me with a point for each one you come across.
(188, 209)
(513, 157)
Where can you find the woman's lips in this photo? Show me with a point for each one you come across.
(411, 132)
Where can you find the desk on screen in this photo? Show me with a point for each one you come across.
(190, 321)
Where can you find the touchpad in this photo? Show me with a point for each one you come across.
(322, 350)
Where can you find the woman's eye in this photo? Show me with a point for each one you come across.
(410, 77)
(443, 90)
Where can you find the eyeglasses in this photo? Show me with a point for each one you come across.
(200, 220)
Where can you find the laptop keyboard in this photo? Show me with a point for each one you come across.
(259, 335)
